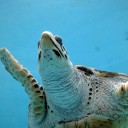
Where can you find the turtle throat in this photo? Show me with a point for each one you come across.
(61, 89)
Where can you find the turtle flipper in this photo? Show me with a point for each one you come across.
(122, 91)
(37, 107)
(91, 121)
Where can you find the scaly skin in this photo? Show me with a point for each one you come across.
(75, 96)
(80, 94)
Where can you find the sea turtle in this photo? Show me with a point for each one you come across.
(73, 96)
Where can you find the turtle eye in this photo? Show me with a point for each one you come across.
(58, 39)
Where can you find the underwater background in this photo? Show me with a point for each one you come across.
(94, 32)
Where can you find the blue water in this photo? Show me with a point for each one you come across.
(94, 32)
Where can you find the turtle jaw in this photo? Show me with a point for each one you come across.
(47, 34)
(48, 41)
(51, 53)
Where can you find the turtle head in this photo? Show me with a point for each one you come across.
(51, 53)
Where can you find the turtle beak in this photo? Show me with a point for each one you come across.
(48, 41)
(46, 34)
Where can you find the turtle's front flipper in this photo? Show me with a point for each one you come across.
(37, 107)
(121, 96)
